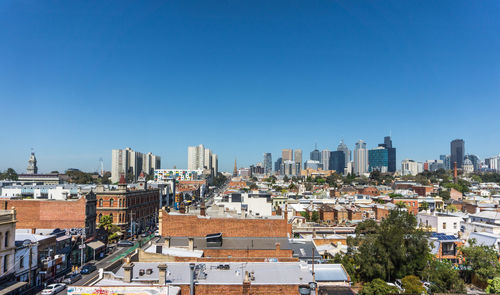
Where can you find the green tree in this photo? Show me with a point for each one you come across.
(444, 194)
(393, 249)
(315, 216)
(286, 179)
(424, 206)
(412, 284)
(220, 179)
(376, 176)
(253, 186)
(305, 215)
(443, 276)
(481, 260)
(9, 174)
(309, 186)
(493, 286)
(378, 287)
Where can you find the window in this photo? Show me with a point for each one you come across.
(21, 262)
(100, 217)
(120, 203)
(454, 225)
(100, 202)
(5, 263)
(111, 203)
(111, 215)
(6, 239)
(444, 225)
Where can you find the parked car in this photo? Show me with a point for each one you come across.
(53, 289)
(125, 243)
(71, 278)
(157, 233)
(88, 268)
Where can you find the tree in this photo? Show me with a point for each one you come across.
(443, 276)
(444, 194)
(378, 287)
(412, 284)
(424, 206)
(106, 222)
(481, 260)
(9, 174)
(253, 186)
(393, 249)
(305, 215)
(309, 186)
(376, 176)
(493, 286)
(451, 208)
(220, 179)
(286, 179)
(315, 216)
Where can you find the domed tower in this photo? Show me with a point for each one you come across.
(32, 168)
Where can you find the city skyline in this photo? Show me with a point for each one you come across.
(81, 79)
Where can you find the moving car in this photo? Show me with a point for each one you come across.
(71, 278)
(53, 289)
(125, 243)
(88, 268)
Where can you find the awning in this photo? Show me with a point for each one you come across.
(12, 287)
(96, 245)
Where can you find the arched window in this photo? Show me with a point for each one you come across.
(100, 202)
(120, 202)
(111, 215)
(111, 202)
(100, 217)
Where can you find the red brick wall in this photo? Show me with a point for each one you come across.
(238, 289)
(232, 259)
(48, 213)
(247, 253)
(192, 226)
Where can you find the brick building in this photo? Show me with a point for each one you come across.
(327, 214)
(411, 204)
(137, 206)
(50, 214)
(184, 225)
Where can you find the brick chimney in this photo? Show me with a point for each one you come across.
(278, 248)
(167, 242)
(202, 209)
(128, 271)
(162, 274)
(246, 284)
(286, 213)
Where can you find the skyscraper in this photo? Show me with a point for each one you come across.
(325, 159)
(315, 155)
(337, 161)
(200, 157)
(378, 159)
(391, 154)
(457, 152)
(298, 161)
(278, 164)
(268, 163)
(360, 158)
(130, 164)
(287, 155)
(347, 153)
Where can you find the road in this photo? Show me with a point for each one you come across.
(88, 278)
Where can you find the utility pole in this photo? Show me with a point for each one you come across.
(29, 266)
(81, 248)
(132, 231)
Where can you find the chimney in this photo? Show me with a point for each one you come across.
(314, 233)
(128, 271)
(246, 284)
(191, 244)
(202, 209)
(278, 248)
(33, 230)
(162, 274)
(167, 242)
(286, 213)
(182, 208)
(455, 171)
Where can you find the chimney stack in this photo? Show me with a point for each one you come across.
(202, 209)
(163, 274)
(167, 242)
(455, 171)
(246, 284)
(278, 248)
(128, 271)
(191, 244)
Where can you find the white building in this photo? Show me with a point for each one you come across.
(26, 252)
(440, 223)
(360, 158)
(409, 167)
(200, 157)
(7, 243)
(325, 159)
(127, 161)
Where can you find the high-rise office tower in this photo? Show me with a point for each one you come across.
(347, 153)
(32, 168)
(325, 159)
(315, 155)
(268, 163)
(378, 159)
(278, 164)
(215, 163)
(457, 152)
(391, 154)
(337, 161)
(130, 163)
(360, 158)
(298, 161)
(207, 160)
(287, 155)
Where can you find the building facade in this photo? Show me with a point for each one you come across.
(337, 161)
(268, 163)
(130, 164)
(378, 159)
(457, 152)
(298, 161)
(347, 153)
(325, 159)
(200, 157)
(360, 158)
(7, 245)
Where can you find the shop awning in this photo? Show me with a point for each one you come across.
(96, 245)
(12, 287)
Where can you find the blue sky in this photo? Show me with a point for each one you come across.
(79, 78)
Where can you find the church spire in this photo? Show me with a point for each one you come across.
(235, 171)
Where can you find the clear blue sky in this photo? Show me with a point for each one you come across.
(79, 78)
